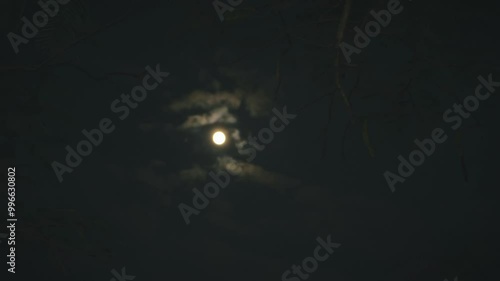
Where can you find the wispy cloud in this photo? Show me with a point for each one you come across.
(218, 115)
(219, 105)
(257, 174)
(206, 100)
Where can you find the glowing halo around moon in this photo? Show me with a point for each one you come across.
(219, 138)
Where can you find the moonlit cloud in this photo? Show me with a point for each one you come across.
(255, 173)
(238, 142)
(218, 115)
(220, 103)
(206, 100)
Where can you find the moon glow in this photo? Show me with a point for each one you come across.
(219, 138)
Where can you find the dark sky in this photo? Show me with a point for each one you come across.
(322, 175)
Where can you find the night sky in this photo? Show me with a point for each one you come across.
(109, 111)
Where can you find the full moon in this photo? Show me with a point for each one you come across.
(219, 138)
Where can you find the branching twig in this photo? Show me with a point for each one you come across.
(340, 37)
